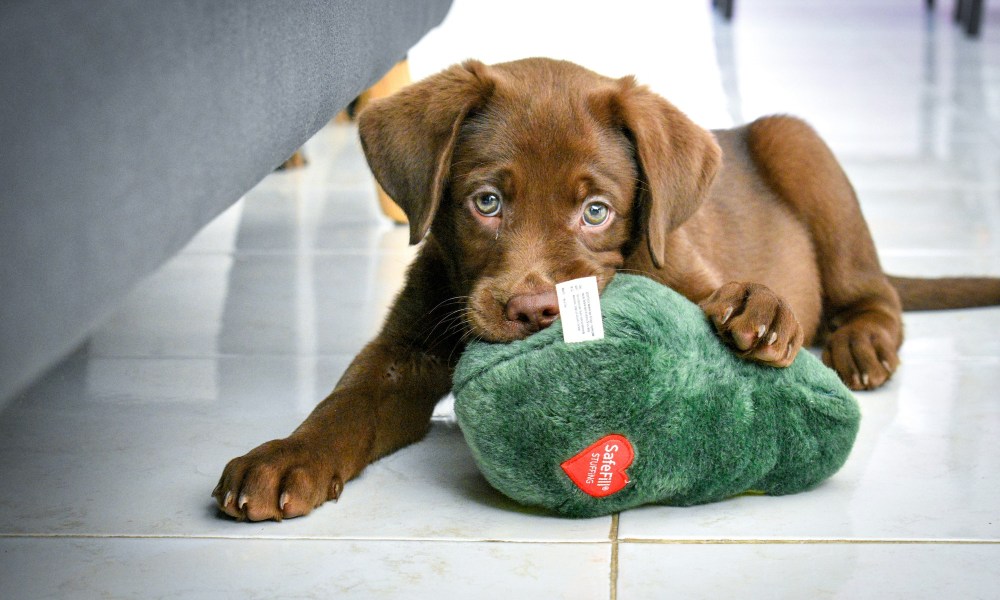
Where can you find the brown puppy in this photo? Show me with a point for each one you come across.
(521, 175)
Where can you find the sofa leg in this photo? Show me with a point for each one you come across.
(396, 79)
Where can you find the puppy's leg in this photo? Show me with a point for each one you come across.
(383, 402)
(861, 308)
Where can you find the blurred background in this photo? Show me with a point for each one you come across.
(171, 301)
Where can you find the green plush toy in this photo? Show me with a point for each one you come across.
(659, 411)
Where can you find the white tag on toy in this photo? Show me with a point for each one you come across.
(580, 310)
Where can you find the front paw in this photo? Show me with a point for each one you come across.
(277, 480)
(755, 322)
(863, 352)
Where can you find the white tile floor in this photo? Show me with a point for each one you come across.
(107, 463)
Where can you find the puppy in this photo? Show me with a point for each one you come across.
(521, 175)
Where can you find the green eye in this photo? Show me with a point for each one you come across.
(595, 214)
(488, 204)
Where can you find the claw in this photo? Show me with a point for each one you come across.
(228, 500)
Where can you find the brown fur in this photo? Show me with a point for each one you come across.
(758, 224)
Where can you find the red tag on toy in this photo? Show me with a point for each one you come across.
(599, 470)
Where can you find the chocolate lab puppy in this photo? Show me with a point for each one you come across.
(517, 176)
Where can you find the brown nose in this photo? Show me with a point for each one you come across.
(533, 312)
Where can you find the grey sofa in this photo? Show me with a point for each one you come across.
(125, 126)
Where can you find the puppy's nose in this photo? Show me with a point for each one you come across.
(533, 312)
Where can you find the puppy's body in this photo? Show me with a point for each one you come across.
(522, 175)
(745, 231)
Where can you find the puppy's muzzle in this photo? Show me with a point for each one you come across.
(532, 312)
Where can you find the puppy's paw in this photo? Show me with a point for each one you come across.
(755, 322)
(277, 480)
(862, 353)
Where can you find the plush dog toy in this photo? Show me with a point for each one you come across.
(659, 411)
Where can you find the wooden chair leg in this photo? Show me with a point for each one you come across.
(294, 161)
(389, 206)
(396, 79)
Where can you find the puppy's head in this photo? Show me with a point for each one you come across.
(535, 172)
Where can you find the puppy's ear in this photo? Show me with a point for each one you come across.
(408, 138)
(677, 159)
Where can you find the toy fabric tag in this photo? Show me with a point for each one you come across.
(580, 310)
(600, 469)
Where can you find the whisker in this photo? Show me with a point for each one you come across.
(463, 341)
(446, 301)
(449, 319)
(453, 323)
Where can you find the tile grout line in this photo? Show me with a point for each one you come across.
(806, 542)
(127, 536)
(613, 536)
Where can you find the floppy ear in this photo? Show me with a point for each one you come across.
(677, 159)
(408, 138)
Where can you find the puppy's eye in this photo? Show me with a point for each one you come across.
(488, 204)
(596, 214)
